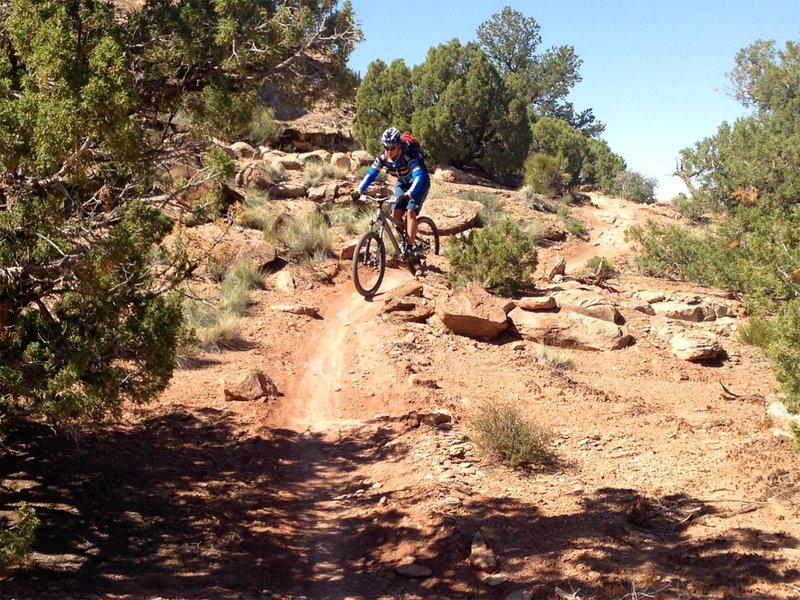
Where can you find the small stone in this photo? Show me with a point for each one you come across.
(413, 570)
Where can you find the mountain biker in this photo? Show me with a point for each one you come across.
(413, 181)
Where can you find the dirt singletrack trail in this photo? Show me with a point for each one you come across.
(329, 412)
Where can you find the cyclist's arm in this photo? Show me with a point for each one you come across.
(371, 175)
(418, 173)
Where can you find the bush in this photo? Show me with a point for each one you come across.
(500, 430)
(309, 237)
(493, 209)
(317, 172)
(501, 258)
(16, 541)
(600, 267)
(262, 128)
(546, 174)
(573, 225)
(634, 186)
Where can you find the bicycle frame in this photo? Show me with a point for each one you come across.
(387, 224)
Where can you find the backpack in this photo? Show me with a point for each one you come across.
(414, 147)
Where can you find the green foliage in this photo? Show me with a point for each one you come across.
(755, 332)
(633, 186)
(554, 137)
(601, 166)
(492, 209)
(546, 175)
(573, 225)
(262, 128)
(456, 104)
(317, 172)
(90, 95)
(541, 81)
(600, 267)
(464, 116)
(502, 432)
(673, 252)
(309, 237)
(16, 541)
(501, 258)
(383, 99)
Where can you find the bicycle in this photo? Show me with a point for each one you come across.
(369, 257)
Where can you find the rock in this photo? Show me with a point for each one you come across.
(450, 174)
(569, 330)
(437, 417)
(589, 304)
(413, 570)
(473, 312)
(323, 193)
(243, 150)
(494, 579)
(519, 595)
(452, 215)
(340, 160)
(287, 190)
(694, 345)
(297, 309)
(288, 162)
(362, 158)
(537, 303)
(285, 282)
(249, 385)
(481, 556)
(684, 312)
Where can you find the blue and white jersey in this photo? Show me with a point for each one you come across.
(411, 173)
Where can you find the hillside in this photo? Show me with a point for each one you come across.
(359, 479)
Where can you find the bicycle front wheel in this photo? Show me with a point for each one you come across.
(369, 264)
(428, 232)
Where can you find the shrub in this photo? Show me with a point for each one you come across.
(500, 258)
(634, 186)
(500, 430)
(17, 540)
(316, 172)
(493, 209)
(556, 360)
(350, 217)
(600, 267)
(546, 174)
(573, 225)
(308, 237)
(262, 128)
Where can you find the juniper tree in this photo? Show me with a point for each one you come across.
(90, 94)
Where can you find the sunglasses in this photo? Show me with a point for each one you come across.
(392, 146)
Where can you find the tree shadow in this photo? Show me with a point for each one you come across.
(183, 504)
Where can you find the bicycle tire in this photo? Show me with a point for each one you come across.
(426, 229)
(369, 264)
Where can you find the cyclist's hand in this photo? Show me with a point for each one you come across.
(406, 196)
(355, 195)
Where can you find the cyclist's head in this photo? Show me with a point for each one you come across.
(391, 142)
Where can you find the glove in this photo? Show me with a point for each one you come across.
(406, 196)
(355, 195)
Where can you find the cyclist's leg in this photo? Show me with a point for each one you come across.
(400, 204)
(414, 207)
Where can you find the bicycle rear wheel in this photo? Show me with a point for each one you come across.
(369, 264)
(428, 233)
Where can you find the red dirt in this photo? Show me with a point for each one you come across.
(661, 488)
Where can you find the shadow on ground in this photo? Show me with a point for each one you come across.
(182, 506)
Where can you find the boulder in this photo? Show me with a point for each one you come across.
(452, 215)
(248, 385)
(589, 304)
(695, 345)
(569, 330)
(473, 312)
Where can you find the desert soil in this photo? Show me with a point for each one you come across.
(661, 486)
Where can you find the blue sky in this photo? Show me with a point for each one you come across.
(654, 71)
